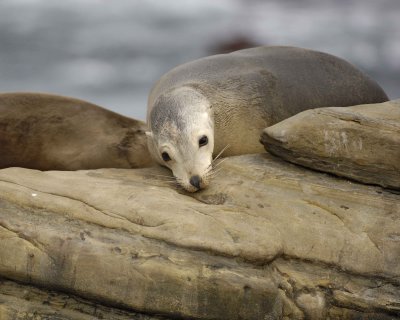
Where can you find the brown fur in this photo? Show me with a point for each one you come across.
(50, 132)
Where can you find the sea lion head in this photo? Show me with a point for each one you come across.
(181, 136)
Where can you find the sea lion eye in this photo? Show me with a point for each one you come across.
(165, 156)
(203, 141)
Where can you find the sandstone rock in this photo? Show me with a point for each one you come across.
(360, 142)
(267, 240)
(22, 302)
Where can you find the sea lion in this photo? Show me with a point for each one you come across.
(198, 108)
(50, 132)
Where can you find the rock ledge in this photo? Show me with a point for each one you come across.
(267, 240)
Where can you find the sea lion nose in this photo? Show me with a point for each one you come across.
(195, 181)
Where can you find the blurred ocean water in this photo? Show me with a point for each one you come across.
(112, 52)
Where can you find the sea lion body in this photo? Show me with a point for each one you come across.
(50, 132)
(242, 93)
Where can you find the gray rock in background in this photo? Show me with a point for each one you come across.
(112, 53)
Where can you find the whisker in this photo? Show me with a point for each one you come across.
(213, 173)
(169, 182)
(209, 168)
(162, 177)
(178, 184)
(220, 153)
(163, 180)
(219, 162)
(164, 183)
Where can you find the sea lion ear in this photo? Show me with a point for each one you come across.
(149, 134)
(149, 138)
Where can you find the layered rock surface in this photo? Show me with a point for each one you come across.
(267, 240)
(23, 302)
(360, 142)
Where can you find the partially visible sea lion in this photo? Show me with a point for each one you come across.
(198, 108)
(50, 132)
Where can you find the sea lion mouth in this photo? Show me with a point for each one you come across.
(198, 182)
(195, 183)
(190, 188)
